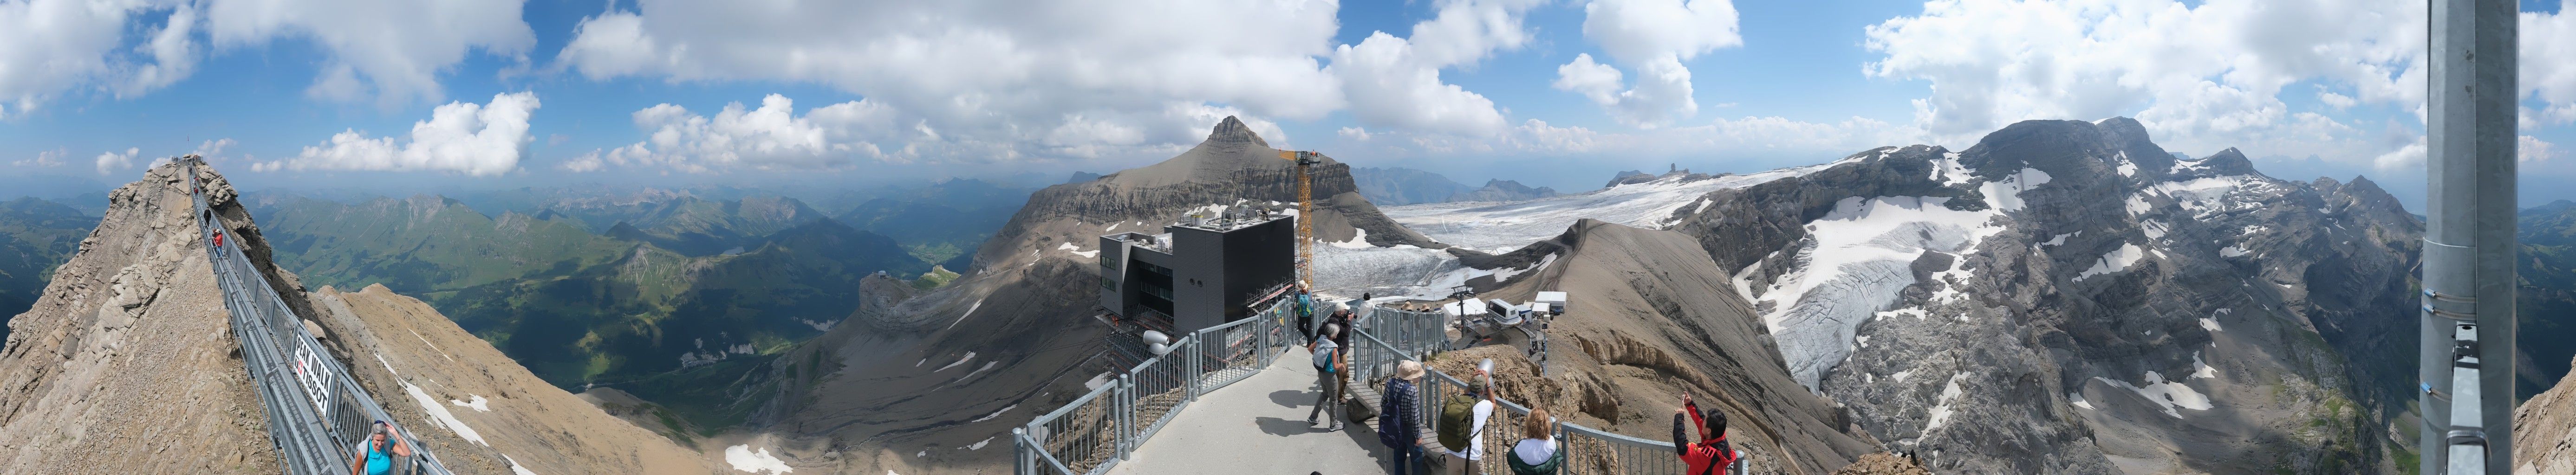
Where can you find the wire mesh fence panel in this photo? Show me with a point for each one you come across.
(1158, 394)
(1082, 436)
(1588, 451)
(1228, 353)
(1592, 451)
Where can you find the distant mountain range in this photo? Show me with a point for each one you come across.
(35, 237)
(689, 282)
(1404, 186)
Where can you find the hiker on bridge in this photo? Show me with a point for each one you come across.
(1711, 451)
(1328, 371)
(376, 455)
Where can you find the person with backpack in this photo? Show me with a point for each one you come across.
(1711, 453)
(1342, 318)
(376, 454)
(1305, 309)
(1328, 370)
(1536, 453)
(1462, 425)
(1399, 425)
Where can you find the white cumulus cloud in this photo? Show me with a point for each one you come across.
(982, 80)
(2199, 75)
(389, 51)
(2529, 150)
(111, 162)
(774, 137)
(1395, 81)
(1651, 37)
(48, 47)
(460, 137)
(2548, 62)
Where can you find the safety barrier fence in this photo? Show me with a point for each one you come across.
(1096, 431)
(317, 413)
(1587, 450)
(1101, 428)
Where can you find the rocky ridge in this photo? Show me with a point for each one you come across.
(127, 363)
(2067, 297)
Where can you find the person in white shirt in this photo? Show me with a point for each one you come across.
(1464, 463)
(1537, 453)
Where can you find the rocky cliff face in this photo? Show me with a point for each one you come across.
(2543, 429)
(127, 365)
(2066, 297)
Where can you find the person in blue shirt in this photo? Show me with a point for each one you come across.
(376, 455)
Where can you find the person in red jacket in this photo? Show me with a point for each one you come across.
(1711, 453)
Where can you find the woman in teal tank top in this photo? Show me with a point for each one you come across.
(376, 455)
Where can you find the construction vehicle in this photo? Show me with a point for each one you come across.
(1305, 213)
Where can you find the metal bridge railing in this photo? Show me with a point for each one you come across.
(1103, 427)
(1587, 450)
(317, 413)
(1096, 431)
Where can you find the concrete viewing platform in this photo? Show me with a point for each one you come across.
(1258, 426)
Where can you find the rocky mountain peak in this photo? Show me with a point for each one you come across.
(1232, 131)
(2228, 162)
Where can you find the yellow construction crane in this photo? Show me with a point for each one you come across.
(1305, 214)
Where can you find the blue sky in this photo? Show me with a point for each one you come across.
(437, 96)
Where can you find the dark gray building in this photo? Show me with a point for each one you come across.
(1199, 273)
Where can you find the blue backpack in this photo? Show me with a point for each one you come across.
(1325, 353)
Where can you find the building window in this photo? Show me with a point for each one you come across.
(1108, 283)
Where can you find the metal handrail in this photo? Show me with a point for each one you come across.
(1183, 367)
(1606, 452)
(308, 441)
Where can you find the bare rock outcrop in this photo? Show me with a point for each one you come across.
(2544, 432)
(126, 363)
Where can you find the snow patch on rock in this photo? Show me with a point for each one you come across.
(2005, 194)
(438, 414)
(2117, 260)
(2166, 394)
(1855, 261)
(742, 458)
(1359, 240)
(970, 356)
(1652, 204)
(1941, 406)
(479, 404)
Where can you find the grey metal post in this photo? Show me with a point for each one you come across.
(1122, 411)
(2468, 240)
(1020, 448)
(1190, 367)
